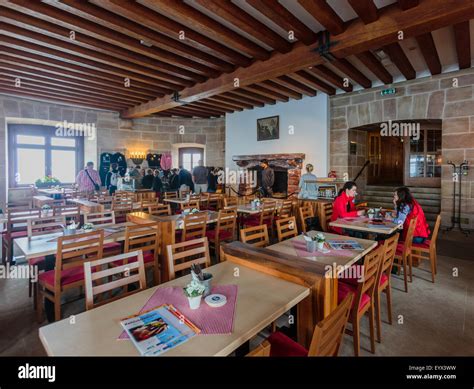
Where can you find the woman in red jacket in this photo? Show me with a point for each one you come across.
(344, 206)
(407, 208)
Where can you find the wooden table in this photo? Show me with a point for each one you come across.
(261, 299)
(55, 192)
(88, 206)
(39, 201)
(362, 223)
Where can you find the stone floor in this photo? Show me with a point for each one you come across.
(438, 319)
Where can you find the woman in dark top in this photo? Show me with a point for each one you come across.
(174, 180)
(111, 179)
(211, 180)
(157, 183)
(147, 181)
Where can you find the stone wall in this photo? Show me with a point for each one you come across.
(114, 134)
(447, 96)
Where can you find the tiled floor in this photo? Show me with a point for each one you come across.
(438, 319)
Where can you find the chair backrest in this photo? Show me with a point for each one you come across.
(249, 198)
(17, 218)
(286, 209)
(388, 256)
(171, 195)
(122, 205)
(191, 204)
(145, 237)
(72, 212)
(182, 255)
(328, 333)
(144, 204)
(101, 219)
(74, 250)
(23, 203)
(98, 273)
(262, 350)
(267, 214)
(325, 213)
(159, 209)
(147, 196)
(434, 235)
(231, 201)
(214, 201)
(226, 221)
(125, 195)
(256, 236)
(407, 245)
(194, 226)
(305, 212)
(47, 225)
(286, 228)
(105, 201)
(184, 192)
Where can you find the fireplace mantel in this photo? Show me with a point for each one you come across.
(288, 161)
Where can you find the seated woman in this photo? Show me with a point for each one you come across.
(344, 206)
(408, 208)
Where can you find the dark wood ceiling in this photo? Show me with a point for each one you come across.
(171, 58)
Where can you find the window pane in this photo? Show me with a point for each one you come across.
(69, 142)
(186, 158)
(63, 165)
(417, 166)
(434, 141)
(31, 165)
(30, 140)
(418, 146)
(433, 165)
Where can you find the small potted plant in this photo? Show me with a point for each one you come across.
(71, 228)
(320, 240)
(45, 209)
(194, 291)
(88, 226)
(371, 213)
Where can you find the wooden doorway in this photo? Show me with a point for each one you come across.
(385, 154)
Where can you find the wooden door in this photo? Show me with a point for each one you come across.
(374, 156)
(385, 154)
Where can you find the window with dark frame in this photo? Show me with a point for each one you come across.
(190, 156)
(36, 151)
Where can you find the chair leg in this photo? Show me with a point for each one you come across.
(377, 315)
(29, 286)
(433, 270)
(372, 329)
(410, 266)
(57, 307)
(356, 336)
(388, 292)
(405, 280)
(434, 256)
(39, 303)
(156, 275)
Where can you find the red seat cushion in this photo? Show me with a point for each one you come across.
(256, 222)
(223, 235)
(283, 346)
(344, 289)
(112, 246)
(68, 276)
(425, 245)
(19, 234)
(120, 219)
(383, 279)
(147, 258)
(36, 261)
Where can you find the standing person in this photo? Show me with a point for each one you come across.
(308, 189)
(88, 180)
(174, 179)
(185, 180)
(407, 208)
(111, 179)
(344, 205)
(200, 174)
(147, 180)
(211, 180)
(268, 178)
(157, 184)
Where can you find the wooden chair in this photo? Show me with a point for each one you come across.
(305, 213)
(326, 340)
(231, 201)
(72, 212)
(286, 209)
(24, 203)
(256, 236)
(262, 350)
(266, 216)
(363, 292)
(100, 281)
(171, 195)
(427, 249)
(121, 207)
(403, 255)
(101, 220)
(145, 237)
(69, 271)
(159, 210)
(105, 201)
(224, 231)
(194, 226)
(183, 193)
(144, 204)
(125, 195)
(182, 255)
(191, 204)
(325, 213)
(286, 228)
(147, 196)
(383, 284)
(214, 201)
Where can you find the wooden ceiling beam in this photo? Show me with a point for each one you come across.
(57, 69)
(196, 111)
(398, 57)
(430, 54)
(276, 12)
(198, 21)
(199, 44)
(375, 66)
(239, 99)
(197, 106)
(187, 113)
(273, 86)
(462, 37)
(352, 72)
(66, 47)
(324, 14)
(115, 45)
(233, 103)
(211, 107)
(407, 4)
(266, 92)
(304, 77)
(61, 99)
(246, 22)
(295, 85)
(365, 9)
(74, 59)
(215, 104)
(252, 96)
(356, 38)
(328, 75)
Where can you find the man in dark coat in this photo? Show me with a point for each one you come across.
(268, 178)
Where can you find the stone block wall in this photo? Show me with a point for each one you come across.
(449, 97)
(114, 134)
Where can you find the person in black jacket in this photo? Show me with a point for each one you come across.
(147, 180)
(186, 179)
(157, 183)
(111, 178)
(174, 180)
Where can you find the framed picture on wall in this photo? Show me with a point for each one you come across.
(268, 128)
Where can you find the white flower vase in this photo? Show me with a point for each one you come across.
(311, 246)
(320, 245)
(194, 302)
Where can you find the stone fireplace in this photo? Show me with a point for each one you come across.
(287, 168)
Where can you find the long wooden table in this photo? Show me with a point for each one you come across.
(88, 206)
(39, 201)
(364, 224)
(261, 299)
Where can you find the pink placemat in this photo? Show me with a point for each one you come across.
(209, 320)
(300, 247)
